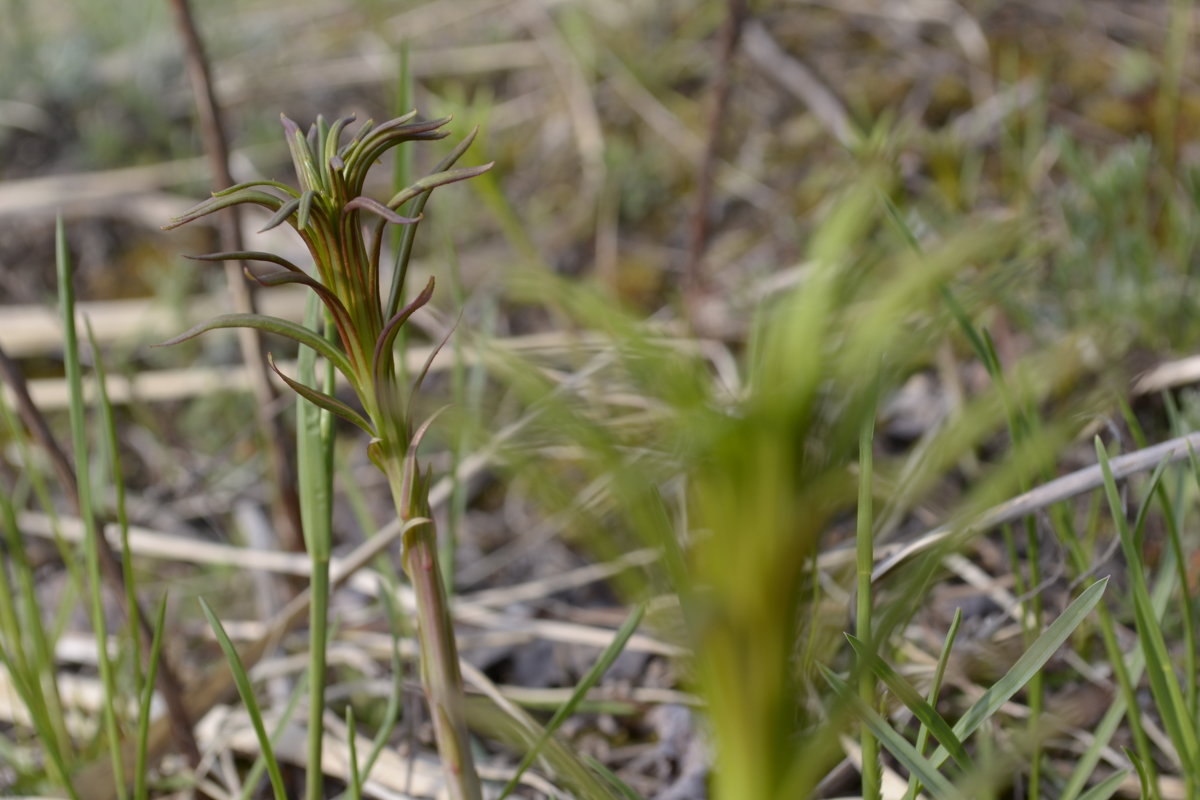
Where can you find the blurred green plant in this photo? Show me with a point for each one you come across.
(364, 314)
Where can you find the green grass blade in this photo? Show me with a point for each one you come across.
(33, 682)
(607, 774)
(1032, 660)
(923, 711)
(589, 680)
(872, 772)
(246, 691)
(1145, 782)
(896, 744)
(144, 705)
(79, 441)
(355, 787)
(934, 689)
(109, 421)
(1160, 671)
(250, 783)
(1108, 787)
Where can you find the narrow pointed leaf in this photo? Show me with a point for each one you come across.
(378, 208)
(248, 255)
(454, 155)
(421, 373)
(246, 690)
(1029, 663)
(361, 134)
(1160, 665)
(410, 461)
(285, 211)
(305, 209)
(937, 725)
(283, 187)
(925, 769)
(281, 327)
(322, 400)
(267, 201)
(610, 654)
(331, 139)
(387, 337)
(430, 182)
(1109, 786)
(341, 317)
(302, 156)
(144, 703)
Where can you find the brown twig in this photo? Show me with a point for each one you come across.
(285, 506)
(695, 277)
(179, 721)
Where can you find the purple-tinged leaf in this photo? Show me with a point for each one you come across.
(302, 156)
(325, 401)
(411, 473)
(248, 255)
(431, 182)
(285, 211)
(267, 201)
(289, 127)
(341, 317)
(281, 327)
(387, 337)
(420, 376)
(361, 134)
(392, 133)
(283, 187)
(454, 155)
(376, 207)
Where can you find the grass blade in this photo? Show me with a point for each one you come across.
(242, 681)
(896, 744)
(589, 680)
(74, 374)
(1030, 662)
(144, 705)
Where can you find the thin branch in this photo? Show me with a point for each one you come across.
(695, 279)
(285, 506)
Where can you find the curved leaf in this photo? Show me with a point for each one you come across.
(454, 155)
(921, 709)
(322, 400)
(395, 131)
(420, 378)
(216, 203)
(285, 211)
(241, 679)
(341, 317)
(925, 769)
(281, 327)
(1029, 663)
(387, 337)
(376, 207)
(283, 187)
(430, 182)
(248, 255)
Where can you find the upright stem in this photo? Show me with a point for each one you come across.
(440, 673)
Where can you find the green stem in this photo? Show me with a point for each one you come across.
(317, 614)
(440, 673)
